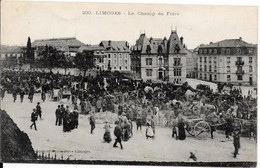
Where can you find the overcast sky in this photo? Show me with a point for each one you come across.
(197, 24)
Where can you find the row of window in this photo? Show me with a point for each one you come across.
(210, 69)
(228, 59)
(7, 55)
(239, 68)
(120, 56)
(176, 72)
(120, 68)
(226, 51)
(149, 61)
(102, 60)
(206, 77)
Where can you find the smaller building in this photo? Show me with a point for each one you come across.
(10, 51)
(110, 55)
(191, 63)
(228, 61)
(69, 46)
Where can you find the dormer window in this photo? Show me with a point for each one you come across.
(215, 51)
(228, 51)
(239, 51)
(205, 51)
(148, 49)
(177, 48)
(200, 51)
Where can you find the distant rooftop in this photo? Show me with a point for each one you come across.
(58, 42)
(10, 49)
(228, 43)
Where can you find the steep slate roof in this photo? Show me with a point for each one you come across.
(173, 40)
(154, 44)
(228, 43)
(115, 46)
(10, 49)
(58, 42)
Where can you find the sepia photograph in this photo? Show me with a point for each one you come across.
(128, 84)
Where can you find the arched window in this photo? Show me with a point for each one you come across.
(215, 51)
(210, 51)
(205, 51)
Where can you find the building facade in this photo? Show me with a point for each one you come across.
(69, 46)
(110, 55)
(159, 59)
(10, 51)
(191, 64)
(228, 61)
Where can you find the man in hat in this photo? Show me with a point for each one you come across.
(92, 121)
(62, 113)
(58, 116)
(118, 134)
(39, 110)
(236, 142)
(34, 117)
(75, 118)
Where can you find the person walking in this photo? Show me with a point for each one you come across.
(181, 129)
(15, 93)
(107, 135)
(236, 142)
(39, 110)
(31, 94)
(149, 131)
(118, 134)
(43, 96)
(62, 113)
(139, 118)
(75, 118)
(22, 93)
(92, 120)
(58, 116)
(34, 117)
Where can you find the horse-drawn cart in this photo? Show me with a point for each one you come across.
(201, 128)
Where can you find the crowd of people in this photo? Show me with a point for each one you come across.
(146, 103)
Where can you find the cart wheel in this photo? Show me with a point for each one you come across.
(202, 130)
(190, 130)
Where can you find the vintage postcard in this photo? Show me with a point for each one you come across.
(128, 84)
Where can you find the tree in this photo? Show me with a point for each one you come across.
(29, 52)
(84, 61)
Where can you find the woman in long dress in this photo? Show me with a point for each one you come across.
(181, 128)
(149, 131)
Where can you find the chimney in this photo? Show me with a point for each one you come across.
(126, 44)
(181, 41)
(109, 42)
(240, 38)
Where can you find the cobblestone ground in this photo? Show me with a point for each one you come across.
(80, 144)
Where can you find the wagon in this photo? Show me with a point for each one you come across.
(198, 127)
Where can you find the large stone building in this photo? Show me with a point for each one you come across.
(110, 55)
(228, 61)
(69, 45)
(159, 59)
